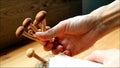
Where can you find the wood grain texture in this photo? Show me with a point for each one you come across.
(18, 57)
(13, 12)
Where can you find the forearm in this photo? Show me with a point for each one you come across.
(108, 18)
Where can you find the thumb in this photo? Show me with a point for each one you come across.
(51, 33)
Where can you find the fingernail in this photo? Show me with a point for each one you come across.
(60, 48)
(67, 52)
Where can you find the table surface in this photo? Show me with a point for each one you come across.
(18, 58)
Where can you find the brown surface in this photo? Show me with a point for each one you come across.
(13, 12)
(18, 57)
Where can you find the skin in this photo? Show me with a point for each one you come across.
(104, 57)
(72, 35)
(77, 34)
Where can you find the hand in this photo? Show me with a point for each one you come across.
(74, 35)
(109, 58)
(77, 34)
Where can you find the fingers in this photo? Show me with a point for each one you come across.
(96, 56)
(48, 46)
(52, 32)
(60, 48)
(57, 50)
(47, 35)
(47, 28)
(55, 46)
(67, 52)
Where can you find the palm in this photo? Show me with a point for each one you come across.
(76, 43)
(77, 35)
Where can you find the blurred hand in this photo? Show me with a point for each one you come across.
(109, 58)
(74, 35)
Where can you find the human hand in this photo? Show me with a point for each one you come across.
(74, 35)
(109, 58)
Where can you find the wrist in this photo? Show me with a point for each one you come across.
(107, 19)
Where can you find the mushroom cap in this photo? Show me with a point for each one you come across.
(27, 22)
(30, 52)
(20, 31)
(39, 17)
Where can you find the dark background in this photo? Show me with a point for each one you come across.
(90, 5)
(13, 12)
